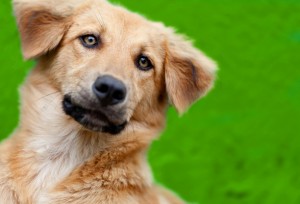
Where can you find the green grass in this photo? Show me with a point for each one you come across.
(239, 145)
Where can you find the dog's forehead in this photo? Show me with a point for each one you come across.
(114, 20)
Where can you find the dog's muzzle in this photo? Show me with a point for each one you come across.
(102, 116)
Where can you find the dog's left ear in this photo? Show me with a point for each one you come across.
(189, 74)
(41, 28)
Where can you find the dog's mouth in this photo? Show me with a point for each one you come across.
(94, 120)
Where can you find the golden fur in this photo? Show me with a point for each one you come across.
(53, 159)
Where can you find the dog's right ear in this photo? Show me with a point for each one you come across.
(40, 27)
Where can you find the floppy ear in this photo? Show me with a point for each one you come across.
(189, 74)
(40, 27)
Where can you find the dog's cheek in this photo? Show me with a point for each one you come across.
(151, 103)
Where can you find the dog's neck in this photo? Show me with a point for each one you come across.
(49, 145)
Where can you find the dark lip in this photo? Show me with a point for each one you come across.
(93, 120)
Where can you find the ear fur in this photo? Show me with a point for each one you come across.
(189, 74)
(41, 27)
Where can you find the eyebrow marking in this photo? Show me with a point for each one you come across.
(100, 20)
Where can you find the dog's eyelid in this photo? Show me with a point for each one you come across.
(90, 33)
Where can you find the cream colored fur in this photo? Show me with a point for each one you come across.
(52, 159)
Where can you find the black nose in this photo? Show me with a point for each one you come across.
(110, 91)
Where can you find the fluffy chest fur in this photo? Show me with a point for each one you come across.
(46, 159)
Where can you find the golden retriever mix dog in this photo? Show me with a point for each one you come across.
(95, 100)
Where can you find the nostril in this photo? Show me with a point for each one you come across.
(103, 88)
(118, 95)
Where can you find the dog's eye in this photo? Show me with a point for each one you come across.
(143, 63)
(89, 41)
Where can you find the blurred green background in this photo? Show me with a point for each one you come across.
(241, 144)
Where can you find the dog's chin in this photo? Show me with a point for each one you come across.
(93, 120)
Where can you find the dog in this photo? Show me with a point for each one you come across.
(103, 80)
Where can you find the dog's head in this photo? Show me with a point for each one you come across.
(112, 67)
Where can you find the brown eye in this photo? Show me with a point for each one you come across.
(89, 41)
(143, 63)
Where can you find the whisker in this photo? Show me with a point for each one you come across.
(50, 94)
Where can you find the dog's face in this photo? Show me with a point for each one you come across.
(108, 62)
(112, 67)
